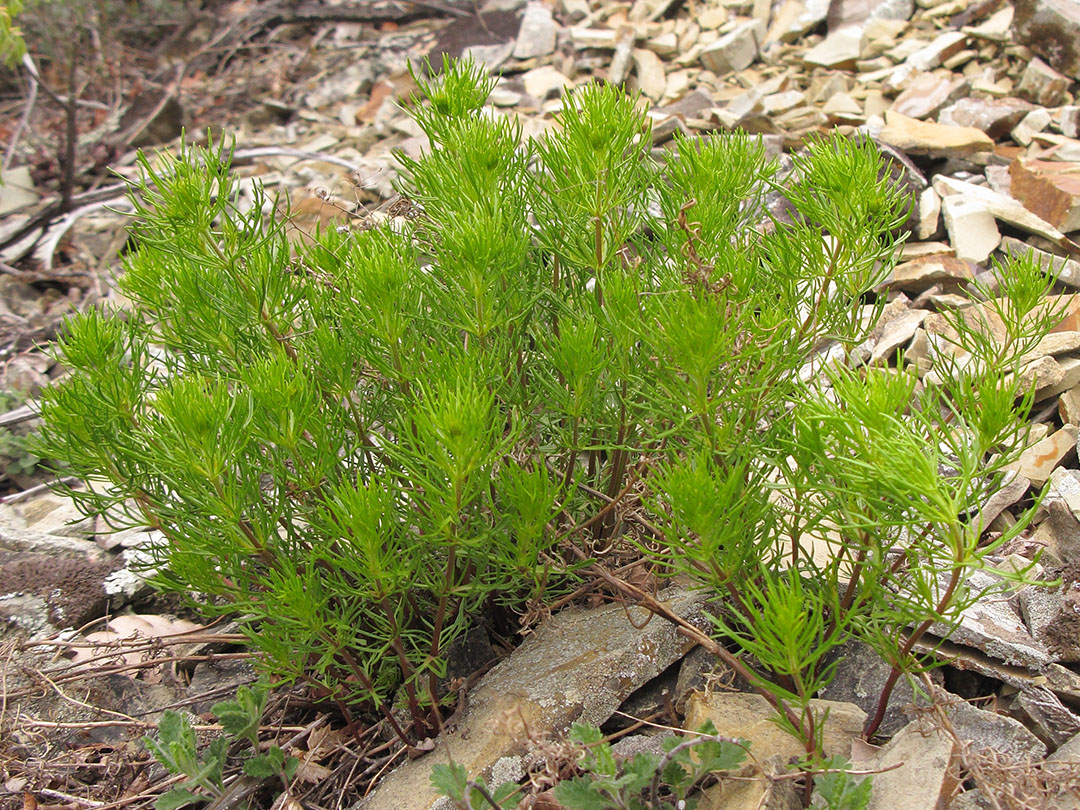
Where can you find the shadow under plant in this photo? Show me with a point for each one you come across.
(559, 347)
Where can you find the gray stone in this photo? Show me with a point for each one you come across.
(736, 50)
(928, 93)
(537, 34)
(993, 627)
(1068, 270)
(918, 770)
(996, 732)
(844, 13)
(994, 116)
(578, 666)
(748, 717)
(1051, 28)
(1042, 84)
(622, 59)
(860, 676)
(1049, 719)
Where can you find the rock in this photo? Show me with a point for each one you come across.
(839, 50)
(994, 116)
(624, 54)
(1051, 28)
(984, 730)
(920, 273)
(536, 37)
(860, 676)
(995, 28)
(1069, 752)
(1013, 488)
(72, 587)
(649, 71)
(578, 666)
(925, 777)
(971, 227)
(1002, 207)
(927, 94)
(750, 793)
(1051, 376)
(992, 626)
(664, 44)
(1059, 533)
(1053, 723)
(1049, 189)
(890, 335)
(592, 38)
(575, 10)
(1069, 407)
(840, 105)
(941, 48)
(1068, 121)
(796, 18)
(17, 190)
(935, 140)
(1037, 462)
(1042, 84)
(544, 81)
(15, 535)
(843, 13)
(929, 214)
(736, 50)
(746, 716)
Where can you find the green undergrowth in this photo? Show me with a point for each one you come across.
(564, 351)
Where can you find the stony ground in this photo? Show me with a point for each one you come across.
(973, 101)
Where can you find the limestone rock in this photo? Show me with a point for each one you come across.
(994, 116)
(537, 34)
(580, 665)
(761, 793)
(1006, 209)
(736, 50)
(649, 71)
(798, 17)
(860, 676)
(928, 93)
(920, 273)
(1048, 717)
(1037, 462)
(746, 716)
(925, 778)
(71, 587)
(1051, 28)
(1042, 84)
(621, 60)
(929, 214)
(857, 13)
(544, 81)
(985, 730)
(971, 227)
(1050, 189)
(839, 50)
(935, 140)
(1051, 376)
(992, 626)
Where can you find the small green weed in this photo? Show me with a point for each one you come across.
(176, 747)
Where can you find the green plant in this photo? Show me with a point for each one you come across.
(837, 789)
(653, 781)
(647, 780)
(562, 346)
(12, 44)
(176, 747)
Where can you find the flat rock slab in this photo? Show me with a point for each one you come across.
(917, 770)
(749, 717)
(579, 666)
